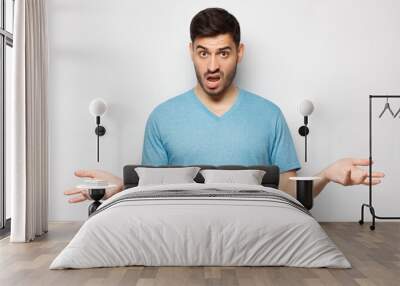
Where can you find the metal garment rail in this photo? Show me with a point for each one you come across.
(369, 205)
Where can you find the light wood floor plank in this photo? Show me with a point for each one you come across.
(374, 255)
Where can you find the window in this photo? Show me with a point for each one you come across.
(6, 44)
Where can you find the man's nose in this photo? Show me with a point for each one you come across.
(213, 64)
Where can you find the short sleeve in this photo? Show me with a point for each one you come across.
(153, 152)
(283, 150)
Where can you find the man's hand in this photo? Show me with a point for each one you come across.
(82, 195)
(347, 172)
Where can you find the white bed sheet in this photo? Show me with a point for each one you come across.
(200, 231)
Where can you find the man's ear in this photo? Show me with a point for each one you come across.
(191, 50)
(240, 52)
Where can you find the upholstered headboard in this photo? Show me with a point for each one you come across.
(270, 179)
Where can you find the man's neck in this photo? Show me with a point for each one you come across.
(227, 97)
(217, 104)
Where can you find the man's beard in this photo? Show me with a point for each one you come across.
(229, 79)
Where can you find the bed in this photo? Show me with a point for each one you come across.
(201, 224)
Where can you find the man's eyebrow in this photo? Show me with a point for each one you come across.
(201, 47)
(220, 49)
(225, 48)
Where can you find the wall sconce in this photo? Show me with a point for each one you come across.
(97, 108)
(306, 107)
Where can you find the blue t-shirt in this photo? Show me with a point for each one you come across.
(183, 131)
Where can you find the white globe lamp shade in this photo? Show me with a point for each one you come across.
(306, 107)
(97, 107)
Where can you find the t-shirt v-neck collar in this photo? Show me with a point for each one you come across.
(212, 114)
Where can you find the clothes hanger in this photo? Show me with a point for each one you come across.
(387, 107)
(397, 113)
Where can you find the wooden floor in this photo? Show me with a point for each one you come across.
(374, 255)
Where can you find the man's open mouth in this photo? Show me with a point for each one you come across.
(212, 81)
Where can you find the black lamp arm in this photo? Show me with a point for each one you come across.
(99, 131)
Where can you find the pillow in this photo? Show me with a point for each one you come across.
(250, 177)
(162, 176)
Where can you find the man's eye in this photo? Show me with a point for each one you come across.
(224, 54)
(203, 54)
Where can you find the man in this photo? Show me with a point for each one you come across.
(218, 123)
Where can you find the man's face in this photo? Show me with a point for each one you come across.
(215, 60)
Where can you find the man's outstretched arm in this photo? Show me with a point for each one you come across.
(287, 185)
(346, 172)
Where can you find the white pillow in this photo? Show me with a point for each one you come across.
(163, 176)
(250, 177)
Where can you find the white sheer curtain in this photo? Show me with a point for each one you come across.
(26, 130)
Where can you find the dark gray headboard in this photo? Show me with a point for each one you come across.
(270, 179)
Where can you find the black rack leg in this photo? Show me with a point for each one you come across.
(361, 221)
(372, 210)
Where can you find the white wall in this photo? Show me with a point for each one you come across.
(135, 56)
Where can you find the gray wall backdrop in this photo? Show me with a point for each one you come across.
(134, 55)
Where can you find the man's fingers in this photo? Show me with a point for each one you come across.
(84, 173)
(361, 162)
(72, 191)
(363, 177)
(77, 199)
(82, 195)
(85, 193)
(374, 181)
(357, 176)
(378, 174)
(374, 175)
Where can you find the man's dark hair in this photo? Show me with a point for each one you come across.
(212, 22)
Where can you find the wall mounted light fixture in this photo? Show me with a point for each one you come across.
(97, 108)
(306, 107)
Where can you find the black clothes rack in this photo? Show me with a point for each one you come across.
(369, 205)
